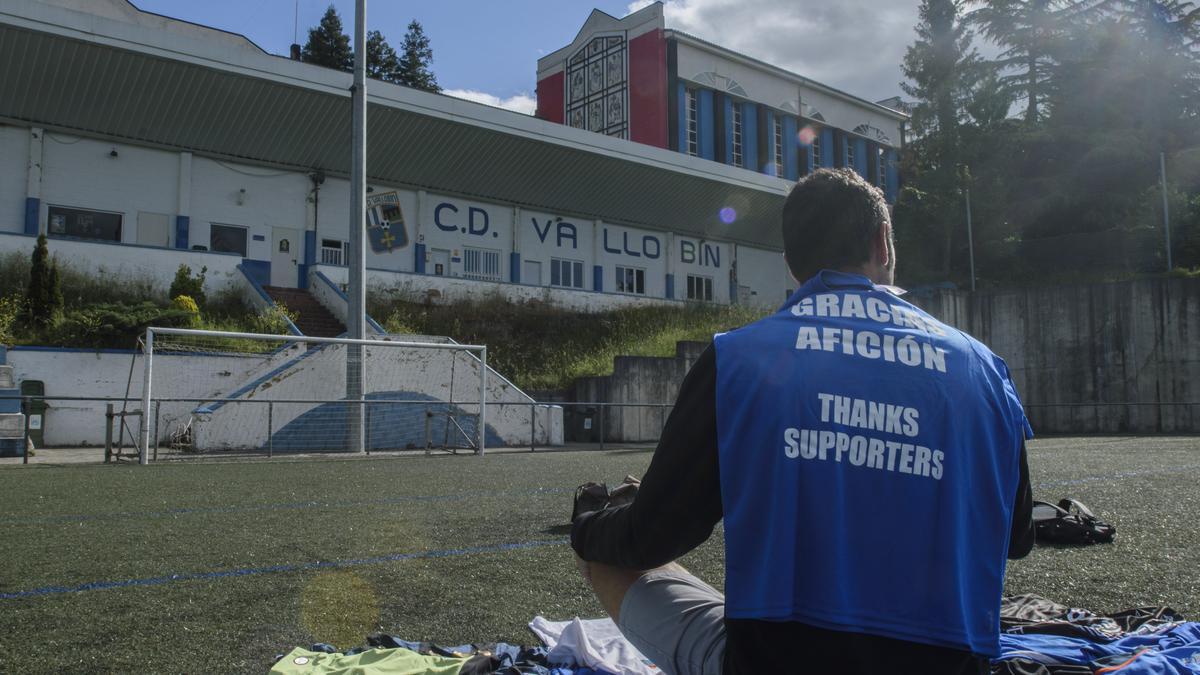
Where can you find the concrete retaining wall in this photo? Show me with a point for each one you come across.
(1103, 358)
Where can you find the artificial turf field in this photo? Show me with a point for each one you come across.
(218, 566)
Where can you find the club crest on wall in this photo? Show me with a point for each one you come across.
(385, 223)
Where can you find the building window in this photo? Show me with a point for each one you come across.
(777, 154)
(816, 150)
(699, 288)
(227, 239)
(597, 87)
(737, 134)
(567, 273)
(335, 252)
(85, 224)
(693, 125)
(482, 264)
(881, 169)
(631, 280)
(850, 153)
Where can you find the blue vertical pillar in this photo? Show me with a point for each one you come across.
(827, 148)
(597, 278)
(727, 118)
(514, 267)
(704, 115)
(791, 149)
(182, 226)
(670, 286)
(419, 258)
(33, 208)
(750, 136)
(860, 158)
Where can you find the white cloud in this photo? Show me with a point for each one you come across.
(522, 103)
(853, 45)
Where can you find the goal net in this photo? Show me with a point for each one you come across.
(214, 390)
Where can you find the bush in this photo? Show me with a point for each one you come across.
(114, 326)
(272, 321)
(11, 307)
(44, 298)
(186, 304)
(191, 286)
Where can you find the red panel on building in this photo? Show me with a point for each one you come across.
(647, 89)
(550, 98)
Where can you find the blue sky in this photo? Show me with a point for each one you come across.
(487, 50)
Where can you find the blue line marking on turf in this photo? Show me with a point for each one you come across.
(284, 506)
(297, 567)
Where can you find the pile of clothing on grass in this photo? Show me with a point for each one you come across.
(1038, 637)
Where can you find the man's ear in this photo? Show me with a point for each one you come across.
(882, 251)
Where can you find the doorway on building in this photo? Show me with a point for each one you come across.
(532, 274)
(439, 262)
(285, 246)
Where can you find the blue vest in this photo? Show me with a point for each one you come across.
(869, 459)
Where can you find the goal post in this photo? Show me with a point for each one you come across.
(221, 390)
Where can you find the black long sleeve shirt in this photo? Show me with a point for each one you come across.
(679, 504)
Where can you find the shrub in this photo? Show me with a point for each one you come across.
(44, 298)
(191, 286)
(273, 320)
(116, 326)
(186, 304)
(11, 307)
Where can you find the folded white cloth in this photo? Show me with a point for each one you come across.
(595, 643)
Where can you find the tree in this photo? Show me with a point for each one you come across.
(941, 68)
(1027, 32)
(44, 301)
(328, 45)
(382, 62)
(415, 59)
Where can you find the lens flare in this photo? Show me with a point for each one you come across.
(806, 135)
(728, 215)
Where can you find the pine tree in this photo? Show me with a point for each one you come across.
(328, 45)
(382, 62)
(44, 299)
(415, 59)
(1028, 31)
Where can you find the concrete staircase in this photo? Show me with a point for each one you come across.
(315, 320)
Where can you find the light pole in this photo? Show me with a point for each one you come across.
(355, 318)
(1162, 172)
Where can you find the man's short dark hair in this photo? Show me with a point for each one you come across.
(830, 221)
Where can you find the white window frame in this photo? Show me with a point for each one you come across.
(639, 280)
(331, 255)
(699, 288)
(563, 265)
(737, 135)
(777, 146)
(815, 150)
(480, 259)
(881, 169)
(850, 155)
(691, 99)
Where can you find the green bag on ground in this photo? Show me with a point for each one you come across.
(371, 662)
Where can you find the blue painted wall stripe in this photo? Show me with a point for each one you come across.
(893, 175)
(670, 286)
(597, 278)
(274, 569)
(681, 122)
(827, 148)
(860, 158)
(514, 267)
(310, 247)
(704, 113)
(419, 258)
(750, 136)
(33, 209)
(791, 149)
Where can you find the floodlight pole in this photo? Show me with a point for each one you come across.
(148, 375)
(1162, 172)
(357, 291)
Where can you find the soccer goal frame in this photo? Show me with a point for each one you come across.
(353, 356)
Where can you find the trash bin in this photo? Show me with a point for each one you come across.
(35, 409)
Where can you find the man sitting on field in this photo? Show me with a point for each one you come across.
(868, 462)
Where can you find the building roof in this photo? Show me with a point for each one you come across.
(141, 78)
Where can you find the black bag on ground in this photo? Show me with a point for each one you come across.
(1070, 522)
